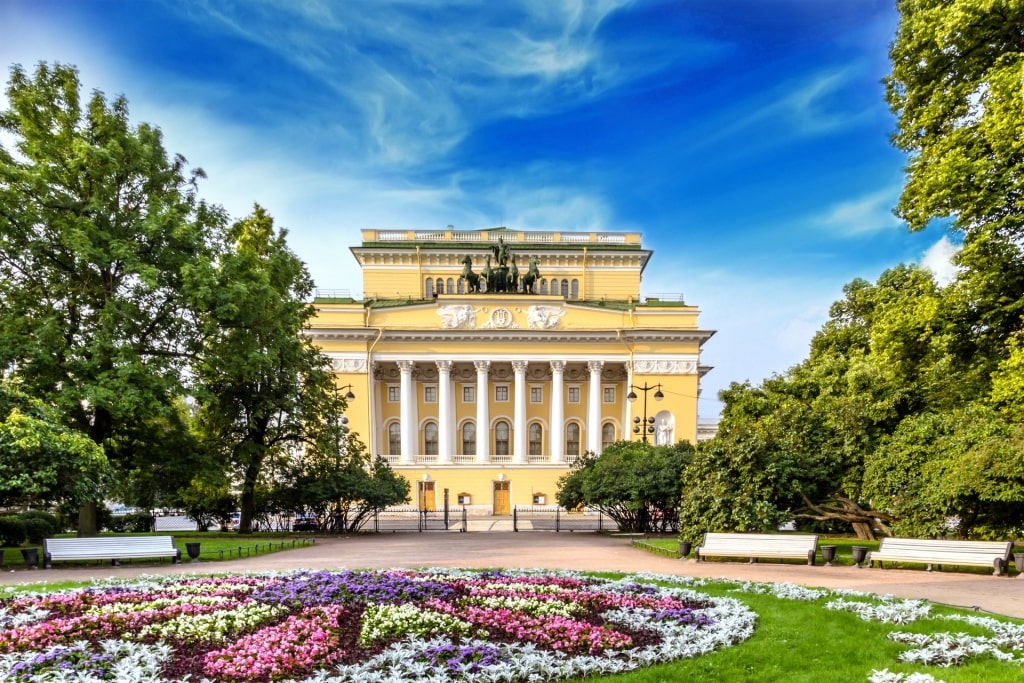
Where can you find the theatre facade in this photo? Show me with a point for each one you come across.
(481, 364)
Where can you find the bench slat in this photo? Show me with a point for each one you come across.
(995, 554)
(109, 548)
(755, 546)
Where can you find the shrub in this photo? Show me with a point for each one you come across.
(35, 529)
(48, 519)
(12, 531)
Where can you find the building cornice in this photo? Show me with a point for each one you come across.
(613, 336)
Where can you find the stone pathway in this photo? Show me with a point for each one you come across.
(580, 551)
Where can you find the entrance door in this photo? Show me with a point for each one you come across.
(426, 496)
(502, 504)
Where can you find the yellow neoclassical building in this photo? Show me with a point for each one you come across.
(483, 363)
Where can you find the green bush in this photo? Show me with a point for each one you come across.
(35, 529)
(135, 522)
(52, 526)
(12, 531)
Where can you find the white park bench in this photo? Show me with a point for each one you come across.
(115, 548)
(995, 554)
(754, 546)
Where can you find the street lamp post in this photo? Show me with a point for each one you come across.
(645, 426)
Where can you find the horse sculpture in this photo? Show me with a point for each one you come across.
(513, 276)
(471, 278)
(531, 277)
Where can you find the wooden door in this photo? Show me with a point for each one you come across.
(502, 501)
(426, 496)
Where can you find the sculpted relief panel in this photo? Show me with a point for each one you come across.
(665, 367)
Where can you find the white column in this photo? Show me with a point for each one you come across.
(556, 429)
(627, 428)
(445, 425)
(483, 421)
(594, 407)
(519, 422)
(407, 412)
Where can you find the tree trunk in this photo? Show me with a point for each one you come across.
(88, 523)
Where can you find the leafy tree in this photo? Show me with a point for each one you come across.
(97, 228)
(42, 462)
(265, 390)
(343, 486)
(635, 484)
(955, 89)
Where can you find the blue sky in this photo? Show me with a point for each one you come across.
(748, 140)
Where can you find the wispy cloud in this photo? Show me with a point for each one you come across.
(865, 214)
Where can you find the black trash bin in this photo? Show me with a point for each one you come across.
(31, 557)
(193, 551)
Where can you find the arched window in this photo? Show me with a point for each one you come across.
(543, 286)
(462, 286)
(469, 439)
(572, 439)
(430, 286)
(536, 439)
(430, 438)
(607, 435)
(554, 286)
(394, 439)
(565, 288)
(575, 291)
(450, 284)
(501, 438)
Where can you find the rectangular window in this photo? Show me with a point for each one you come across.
(609, 394)
(430, 394)
(574, 394)
(394, 394)
(536, 394)
(468, 394)
(501, 394)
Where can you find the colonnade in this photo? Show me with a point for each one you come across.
(591, 438)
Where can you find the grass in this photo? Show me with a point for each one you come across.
(800, 641)
(214, 547)
(803, 642)
(844, 553)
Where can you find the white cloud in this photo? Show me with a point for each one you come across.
(939, 260)
(869, 213)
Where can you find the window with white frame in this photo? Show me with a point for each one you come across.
(501, 393)
(609, 394)
(468, 394)
(429, 394)
(572, 439)
(536, 439)
(430, 438)
(536, 394)
(501, 432)
(394, 439)
(607, 435)
(573, 394)
(469, 439)
(394, 393)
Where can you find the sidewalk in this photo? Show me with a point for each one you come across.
(578, 551)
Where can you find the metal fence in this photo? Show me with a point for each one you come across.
(555, 518)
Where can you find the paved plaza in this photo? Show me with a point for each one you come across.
(578, 551)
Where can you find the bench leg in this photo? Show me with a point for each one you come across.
(997, 567)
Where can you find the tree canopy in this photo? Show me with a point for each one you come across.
(97, 229)
(635, 484)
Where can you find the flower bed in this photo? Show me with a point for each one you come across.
(440, 625)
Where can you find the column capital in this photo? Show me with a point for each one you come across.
(482, 365)
(520, 366)
(444, 365)
(406, 366)
(558, 366)
(595, 365)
